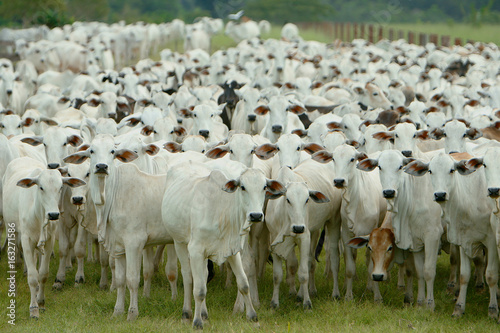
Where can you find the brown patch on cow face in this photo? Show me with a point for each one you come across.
(381, 245)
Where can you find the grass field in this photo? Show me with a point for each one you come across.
(88, 309)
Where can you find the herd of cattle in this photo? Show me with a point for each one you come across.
(246, 153)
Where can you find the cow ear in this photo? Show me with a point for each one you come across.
(34, 140)
(231, 186)
(132, 121)
(147, 130)
(462, 169)
(84, 147)
(266, 151)
(312, 148)
(218, 152)
(384, 136)
(125, 155)
(300, 132)
(437, 134)
(417, 168)
(353, 143)
(48, 121)
(173, 147)
(63, 171)
(423, 134)
(360, 156)
(151, 149)
(180, 131)
(186, 113)
(322, 156)
(474, 133)
(358, 242)
(367, 164)
(334, 125)
(474, 163)
(94, 102)
(73, 182)
(77, 158)
(408, 160)
(262, 110)
(27, 122)
(74, 140)
(296, 109)
(27, 182)
(274, 189)
(318, 197)
(472, 102)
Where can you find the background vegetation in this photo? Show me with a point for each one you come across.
(57, 12)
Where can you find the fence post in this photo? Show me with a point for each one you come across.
(336, 30)
(411, 37)
(434, 39)
(391, 34)
(458, 41)
(445, 41)
(362, 30)
(422, 39)
(401, 34)
(470, 41)
(370, 33)
(342, 31)
(380, 33)
(355, 30)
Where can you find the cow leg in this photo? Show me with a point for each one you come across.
(409, 269)
(73, 234)
(229, 276)
(200, 273)
(43, 272)
(171, 269)
(454, 267)
(147, 269)
(120, 275)
(133, 275)
(333, 237)
(243, 286)
(277, 278)
(105, 262)
(80, 247)
(312, 263)
(431, 252)
(350, 270)
(464, 281)
(187, 279)
(480, 267)
(305, 257)
(369, 282)
(419, 258)
(401, 276)
(158, 256)
(112, 265)
(64, 248)
(492, 278)
(263, 250)
(90, 252)
(249, 267)
(30, 262)
(292, 265)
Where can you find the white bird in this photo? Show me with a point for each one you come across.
(236, 16)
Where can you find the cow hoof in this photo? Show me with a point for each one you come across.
(34, 312)
(186, 315)
(79, 279)
(378, 300)
(117, 312)
(253, 317)
(57, 285)
(408, 300)
(336, 297)
(308, 305)
(493, 312)
(299, 298)
(132, 314)
(431, 305)
(103, 286)
(198, 324)
(401, 287)
(458, 311)
(275, 305)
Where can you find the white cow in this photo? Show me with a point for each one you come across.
(213, 230)
(469, 218)
(33, 211)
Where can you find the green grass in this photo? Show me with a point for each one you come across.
(88, 309)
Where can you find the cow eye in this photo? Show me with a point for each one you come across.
(231, 151)
(452, 170)
(91, 151)
(352, 159)
(265, 187)
(194, 115)
(69, 175)
(64, 144)
(400, 167)
(287, 200)
(430, 171)
(113, 151)
(203, 151)
(307, 200)
(298, 148)
(390, 248)
(87, 175)
(375, 94)
(211, 116)
(396, 135)
(19, 126)
(369, 247)
(41, 188)
(414, 135)
(243, 188)
(465, 134)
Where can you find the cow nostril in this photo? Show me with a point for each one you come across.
(388, 194)
(378, 277)
(53, 216)
(101, 168)
(298, 229)
(53, 165)
(204, 133)
(440, 196)
(252, 117)
(407, 153)
(256, 217)
(339, 182)
(453, 152)
(494, 192)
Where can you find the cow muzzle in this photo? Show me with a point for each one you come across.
(339, 182)
(277, 129)
(378, 277)
(252, 117)
(204, 133)
(440, 196)
(298, 229)
(53, 165)
(256, 217)
(494, 192)
(101, 168)
(389, 194)
(53, 216)
(78, 200)
(407, 153)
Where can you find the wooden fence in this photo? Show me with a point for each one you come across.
(346, 31)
